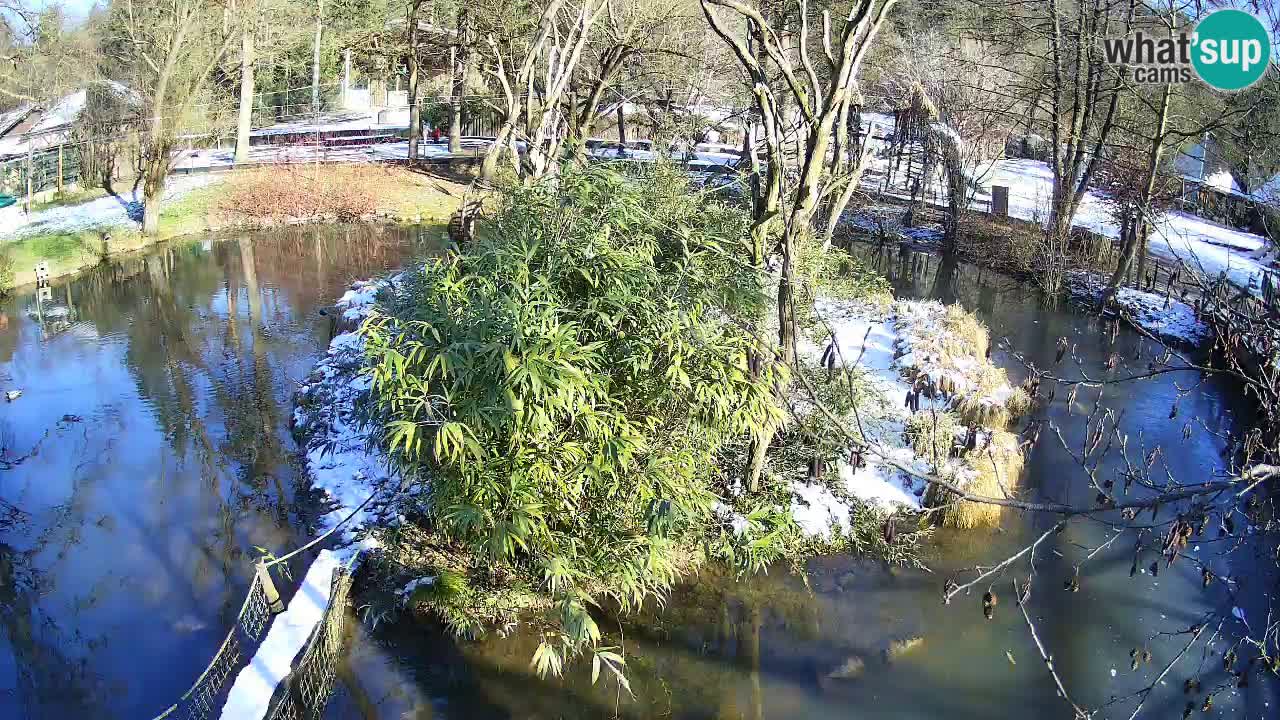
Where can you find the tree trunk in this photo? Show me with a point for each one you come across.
(622, 126)
(245, 119)
(415, 113)
(957, 200)
(1138, 234)
(1141, 230)
(461, 58)
(315, 58)
(489, 167)
(157, 168)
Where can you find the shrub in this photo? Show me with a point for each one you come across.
(287, 193)
(566, 384)
(6, 272)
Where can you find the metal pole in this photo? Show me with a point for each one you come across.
(28, 178)
(346, 78)
(274, 603)
(59, 169)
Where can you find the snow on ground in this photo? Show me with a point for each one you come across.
(105, 212)
(1169, 319)
(1205, 246)
(867, 339)
(340, 458)
(343, 466)
(891, 346)
(1177, 236)
(290, 154)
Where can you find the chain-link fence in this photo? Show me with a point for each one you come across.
(305, 692)
(204, 699)
(44, 169)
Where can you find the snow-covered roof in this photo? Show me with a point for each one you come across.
(12, 117)
(62, 112)
(52, 123)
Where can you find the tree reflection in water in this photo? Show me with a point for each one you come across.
(144, 509)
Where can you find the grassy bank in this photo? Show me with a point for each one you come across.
(248, 199)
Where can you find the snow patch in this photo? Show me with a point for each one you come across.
(349, 469)
(1206, 247)
(103, 213)
(1169, 319)
(891, 347)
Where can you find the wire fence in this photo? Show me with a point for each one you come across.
(204, 699)
(305, 692)
(46, 170)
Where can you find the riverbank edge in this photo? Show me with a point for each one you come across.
(326, 423)
(185, 217)
(1083, 287)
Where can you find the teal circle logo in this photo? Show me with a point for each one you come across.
(1230, 49)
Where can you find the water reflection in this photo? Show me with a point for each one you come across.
(150, 452)
(861, 640)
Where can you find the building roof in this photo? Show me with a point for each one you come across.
(34, 128)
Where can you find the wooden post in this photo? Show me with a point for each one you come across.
(1000, 201)
(274, 603)
(59, 169)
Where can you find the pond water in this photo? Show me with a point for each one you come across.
(150, 453)
(776, 646)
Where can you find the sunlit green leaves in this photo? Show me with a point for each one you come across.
(563, 389)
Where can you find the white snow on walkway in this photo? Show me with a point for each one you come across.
(295, 154)
(105, 212)
(251, 693)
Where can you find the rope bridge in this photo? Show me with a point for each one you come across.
(307, 688)
(203, 699)
(305, 691)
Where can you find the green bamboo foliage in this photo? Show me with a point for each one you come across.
(564, 385)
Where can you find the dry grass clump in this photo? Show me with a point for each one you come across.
(951, 346)
(993, 469)
(1019, 403)
(991, 401)
(982, 411)
(932, 435)
(965, 336)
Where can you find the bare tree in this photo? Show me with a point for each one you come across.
(533, 71)
(460, 54)
(168, 49)
(821, 99)
(40, 57)
(633, 34)
(247, 16)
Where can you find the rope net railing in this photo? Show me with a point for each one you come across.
(204, 698)
(305, 692)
